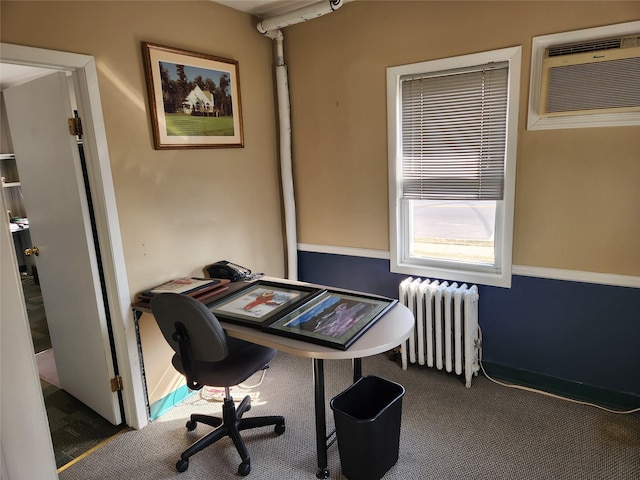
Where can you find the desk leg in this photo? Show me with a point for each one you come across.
(357, 369)
(321, 426)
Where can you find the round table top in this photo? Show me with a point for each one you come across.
(389, 331)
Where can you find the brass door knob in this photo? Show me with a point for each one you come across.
(32, 251)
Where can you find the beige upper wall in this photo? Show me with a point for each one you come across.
(577, 194)
(178, 209)
(577, 198)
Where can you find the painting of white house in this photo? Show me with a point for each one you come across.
(199, 102)
(195, 98)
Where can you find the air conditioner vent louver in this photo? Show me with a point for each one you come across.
(592, 46)
(586, 78)
(592, 77)
(594, 86)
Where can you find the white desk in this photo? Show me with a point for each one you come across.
(389, 331)
(393, 328)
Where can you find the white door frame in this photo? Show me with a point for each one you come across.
(85, 81)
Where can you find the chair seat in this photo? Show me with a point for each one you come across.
(243, 357)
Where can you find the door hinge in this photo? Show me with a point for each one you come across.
(116, 384)
(75, 126)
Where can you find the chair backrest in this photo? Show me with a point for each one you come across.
(206, 338)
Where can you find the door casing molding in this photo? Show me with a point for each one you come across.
(85, 81)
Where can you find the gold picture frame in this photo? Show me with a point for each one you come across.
(194, 99)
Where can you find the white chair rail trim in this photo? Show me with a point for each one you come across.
(522, 270)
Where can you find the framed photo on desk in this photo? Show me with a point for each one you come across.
(333, 319)
(261, 302)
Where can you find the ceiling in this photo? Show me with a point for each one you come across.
(268, 8)
(12, 75)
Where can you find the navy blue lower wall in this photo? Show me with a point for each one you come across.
(584, 333)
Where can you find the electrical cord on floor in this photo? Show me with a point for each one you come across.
(542, 392)
(217, 394)
(263, 372)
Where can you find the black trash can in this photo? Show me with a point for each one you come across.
(367, 417)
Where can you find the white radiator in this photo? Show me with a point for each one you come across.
(446, 334)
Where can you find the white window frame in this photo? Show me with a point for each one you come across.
(498, 274)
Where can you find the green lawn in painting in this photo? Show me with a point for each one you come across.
(181, 124)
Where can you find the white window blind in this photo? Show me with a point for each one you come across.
(454, 133)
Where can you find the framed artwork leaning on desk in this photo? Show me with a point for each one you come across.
(333, 319)
(326, 317)
(261, 302)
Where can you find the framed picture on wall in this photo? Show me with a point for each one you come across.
(194, 99)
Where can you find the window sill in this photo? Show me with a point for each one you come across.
(469, 276)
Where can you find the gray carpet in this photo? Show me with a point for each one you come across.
(36, 313)
(448, 432)
(74, 427)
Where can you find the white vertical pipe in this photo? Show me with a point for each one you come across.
(270, 27)
(286, 168)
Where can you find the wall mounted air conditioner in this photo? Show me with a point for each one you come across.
(585, 78)
(599, 76)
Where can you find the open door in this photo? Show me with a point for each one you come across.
(50, 172)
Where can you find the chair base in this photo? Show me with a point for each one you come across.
(230, 425)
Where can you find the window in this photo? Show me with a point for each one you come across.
(452, 127)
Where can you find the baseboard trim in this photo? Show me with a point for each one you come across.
(574, 390)
(159, 407)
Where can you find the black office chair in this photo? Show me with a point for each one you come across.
(206, 356)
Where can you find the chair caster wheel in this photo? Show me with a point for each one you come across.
(279, 428)
(182, 465)
(244, 468)
(191, 425)
(322, 473)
